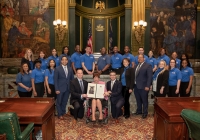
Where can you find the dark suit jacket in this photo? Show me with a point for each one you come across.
(162, 80)
(75, 90)
(129, 76)
(116, 91)
(62, 83)
(144, 77)
(27, 61)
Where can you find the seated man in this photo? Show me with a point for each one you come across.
(78, 90)
(114, 88)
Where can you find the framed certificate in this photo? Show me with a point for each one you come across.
(95, 90)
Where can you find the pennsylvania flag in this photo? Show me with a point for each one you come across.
(89, 41)
(110, 38)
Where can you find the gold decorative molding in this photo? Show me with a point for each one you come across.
(100, 28)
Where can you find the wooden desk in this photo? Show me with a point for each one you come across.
(2, 136)
(168, 124)
(40, 111)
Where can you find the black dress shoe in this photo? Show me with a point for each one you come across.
(144, 116)
(127, 116)
(136, 113)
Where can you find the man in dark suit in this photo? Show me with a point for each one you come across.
(114, 88)
(62, 76)
(143, 77)
(78, 90)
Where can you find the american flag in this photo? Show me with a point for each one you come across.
(110, 38)
(89, 41)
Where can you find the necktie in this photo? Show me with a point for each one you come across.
(66, 71)
(137, 70)
(112, 84)
(82, 87)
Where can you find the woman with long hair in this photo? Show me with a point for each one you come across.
(187, 78)
(160, 85)
(49, 79)
(54, 56)
(23, 80)
(127, 79)
(65, 52)
(174, 79)
(42, 58)
(152, 61)
(29, 59)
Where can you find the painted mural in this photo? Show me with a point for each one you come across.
(25, 24)
(173, 26)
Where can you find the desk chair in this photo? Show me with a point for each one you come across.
(192, 119)
(10, 125)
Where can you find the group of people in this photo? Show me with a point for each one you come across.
(55, 77)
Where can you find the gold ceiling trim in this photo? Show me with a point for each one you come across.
(107, 13)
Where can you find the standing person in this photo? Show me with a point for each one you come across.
(185, 56)
(164, 57)
(29, 59)
(187, 78)
(152, 61)
(114, 90)
(103, 62)
(76, 59)
(43, 60)
(116, 60)
(49, 79)
(174, 79)
(178, 61)
(63, 74)
(127, 79)
(128, 55)
(78, 90)
(54, 56)
(87, 61)
(143, 77)
(141, 51)
(160, 80)
(37, 79)
(23, 80)
(65, 52)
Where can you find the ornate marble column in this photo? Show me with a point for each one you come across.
(62, 13)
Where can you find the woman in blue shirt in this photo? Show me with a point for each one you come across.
(174, 79)
(152, 61)
(55, 57)
(37, 79)
(65, 52)
(43, 60)
(127, 79)
(23, 80)
(187, 78)
(49, 79)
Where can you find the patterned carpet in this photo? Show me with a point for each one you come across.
(134, 128)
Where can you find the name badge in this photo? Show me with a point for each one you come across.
(104, 58)
(173, 72)
(91, 57)
(117, 57)
(185, 70)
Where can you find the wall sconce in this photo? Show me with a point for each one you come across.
(139, 28)
(60, 28)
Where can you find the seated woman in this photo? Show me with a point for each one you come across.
(97, 102)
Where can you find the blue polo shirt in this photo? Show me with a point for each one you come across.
(130, 57)
(103, 61)
(55, 58)
(38, 75)
(146, 59)
(186, 73)
(116, 61)
(165, 58)
(152, 62)
(174, 76)
(50, 76)
(76, 58)
(88, 61)
(68, 57)
(25, 79)
(178, 63)
(32, 65)
(43, 64)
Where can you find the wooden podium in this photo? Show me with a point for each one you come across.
(168, 124)
(40, 111)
